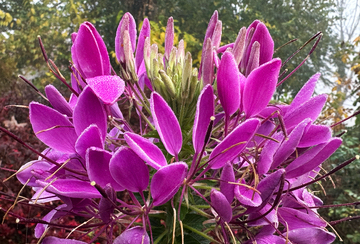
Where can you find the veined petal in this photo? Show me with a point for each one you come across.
(316, 134)
(127, 22)
(259, 87)
(247, 196)
(90, 52)
(305, 93)
(129, 170)
(57, 100)
(233, 144)
(146, 150)
(299, 166)
(221, 205)
(267, 153)
(135, 235)
(310, 235)
(107, 87)
(295, 219)
(167, 181)
(228, 84)
(90, 137)
(144, 33)
(227, 175)
(71, 188)
(166, 124)
(169, 37)
(208, 64)
(98, 169)
(204, 112)
(89, 110)
(52, 127)
(310, 109)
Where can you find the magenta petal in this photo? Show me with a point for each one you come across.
(25, 172)
(107, 87)
(207, 63)
(57, 100)
(90, 52)
(127, 22)
(303, 164)
(247, 196)
(169, 37)
(71, 188)
(52, 127)
(90, 137)
(55, 240)
(144, 32)
(166, 124)
(263, 36)
(227, 175)
(310, 235)
(221, 205)
(316, 134)
(167, 181)
(296, 219)
(259, 87)
(310, 109)
(204, 111)
(305, 93)
(267, 154)
(146, 150)
(97, 165)
(289, 145)
(228, 83)
(89, 110)
(129, 170)
(134, 235)
(40, 227)
(228, 148)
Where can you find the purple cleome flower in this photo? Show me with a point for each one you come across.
(260, 160)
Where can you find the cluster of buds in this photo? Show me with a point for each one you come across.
(209, 146)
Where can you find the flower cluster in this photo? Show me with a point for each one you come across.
(210, 145)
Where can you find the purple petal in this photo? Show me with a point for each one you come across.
(216, 36)
(89, 110)
(316, 134)
(306, 163)
(290, 143)
(204, 112)
(228, 149)
(295, 219)
(166, 124)
(107, 87)
(247, 196)
(211, 26)
(254, 58)
(90, 52)
(129, 170)
(135, 235)
(207, 63)
(90, 137)
(221, 205)
(259, 87)
(40, 228)
(52, 128)
(228, 84)
(306, 92)
(71, 188)
(167, 181)
(267, 154)
(58, 101)
(97, 165)
(239, 45)
(144, 32)
(25, 172)
(310, 109)
(146, 150)
(310, 235)
(106, 207)
(227, 175)
(169, 37)
(271, 217)
(127, 23)
(55, 240)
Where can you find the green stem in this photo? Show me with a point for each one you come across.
(138, 96)
(199, 211)
(160, 237)
(144, 116)
(201, 234)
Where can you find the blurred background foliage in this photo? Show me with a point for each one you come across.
(337, 57)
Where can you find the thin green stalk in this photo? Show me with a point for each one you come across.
(201, 234)
(144, 116)
(160, 237)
